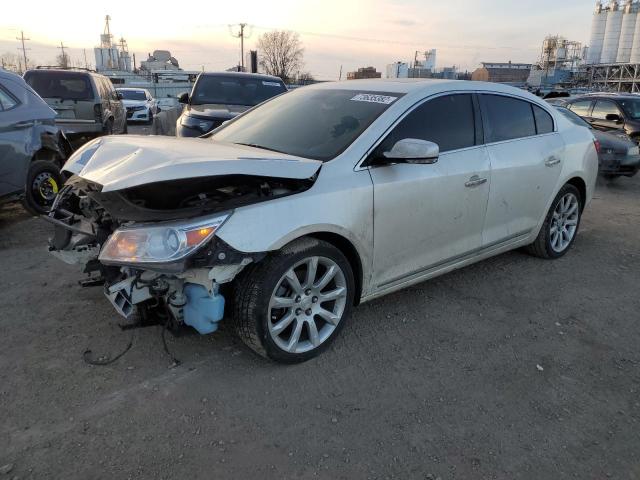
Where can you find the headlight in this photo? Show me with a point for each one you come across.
(633, 151)
(164, 243)
(192, 122)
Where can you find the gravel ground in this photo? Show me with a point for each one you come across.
(515, 368)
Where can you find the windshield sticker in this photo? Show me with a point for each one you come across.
(271, 84)
(368, 97)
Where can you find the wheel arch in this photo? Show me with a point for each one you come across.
(581, 185)
(349, 250)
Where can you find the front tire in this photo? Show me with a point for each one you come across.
(560, 227)
(293, 304)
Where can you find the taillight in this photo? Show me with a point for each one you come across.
(97, 110)
(597, 145)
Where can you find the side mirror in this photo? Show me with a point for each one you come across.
(183, 98)
(413, 150)
(613, 117)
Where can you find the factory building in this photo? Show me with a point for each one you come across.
(366, 72)
(516, 73)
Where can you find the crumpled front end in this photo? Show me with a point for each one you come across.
(155, 246)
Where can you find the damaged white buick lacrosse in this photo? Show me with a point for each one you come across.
(284, 218)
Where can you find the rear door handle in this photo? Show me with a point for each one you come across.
(475, 181)
(551, 161)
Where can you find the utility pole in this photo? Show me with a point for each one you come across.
(340, 76)
(86, 64)
(65, 62)
(24, 50)
(241, 35)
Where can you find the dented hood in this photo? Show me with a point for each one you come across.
(118, 162)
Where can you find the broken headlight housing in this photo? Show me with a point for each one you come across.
(153, 244)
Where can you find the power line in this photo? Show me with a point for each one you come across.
(24, 50)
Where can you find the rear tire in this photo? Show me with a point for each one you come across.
(292, 322)
(560, 226)
(43, 182)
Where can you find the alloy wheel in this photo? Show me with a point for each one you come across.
(564, 223)
(307, 304)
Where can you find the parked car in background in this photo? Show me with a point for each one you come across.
(218, 97)
(167, 103)
(618, 155)
(32, 147)
(86, 102)
(331, 195)
(609, 112)
(138, 103)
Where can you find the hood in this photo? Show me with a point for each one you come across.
(118, 162)
(216, 110)
(134, 103)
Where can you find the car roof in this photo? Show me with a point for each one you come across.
(420, 87)
(7, 75)
(258, 76)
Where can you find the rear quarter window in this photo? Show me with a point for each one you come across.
(544, 121)
(7, 101)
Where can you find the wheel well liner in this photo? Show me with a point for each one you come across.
(582, 188)
(348, 250)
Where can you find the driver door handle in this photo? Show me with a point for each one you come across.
(26, 124)
(475, 181)
(551, 161)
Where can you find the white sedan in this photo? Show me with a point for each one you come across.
(139, 104)
(318, 200)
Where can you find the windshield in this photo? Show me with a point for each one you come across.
(234, 90)
(132, 94)
(318, 124)
(631, 107)
(62, 85)
(572, 117)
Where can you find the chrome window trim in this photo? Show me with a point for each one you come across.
(359, 165)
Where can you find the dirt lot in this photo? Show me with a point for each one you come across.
(512, 368)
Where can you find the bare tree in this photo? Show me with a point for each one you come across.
(280, 53)
(12, 62)
(305, 78)
(63, 60)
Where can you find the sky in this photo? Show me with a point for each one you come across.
(334, 33)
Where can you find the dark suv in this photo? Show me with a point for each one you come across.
(610, 112)
(86, 102)
(218, 97)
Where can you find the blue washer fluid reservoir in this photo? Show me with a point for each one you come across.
(202, 311)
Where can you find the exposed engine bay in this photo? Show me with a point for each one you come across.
(176, 263)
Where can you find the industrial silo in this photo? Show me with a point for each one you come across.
(635, 49)
(598, 27)
(612, 33)
(627, 33)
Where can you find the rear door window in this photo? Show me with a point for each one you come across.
(602, 108)
(544, 121)
(447, 121)
(581, 107)
(506, 118)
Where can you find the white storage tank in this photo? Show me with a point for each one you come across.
(635, 49)
(598, 27)
(627, 33)
(612, 33)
